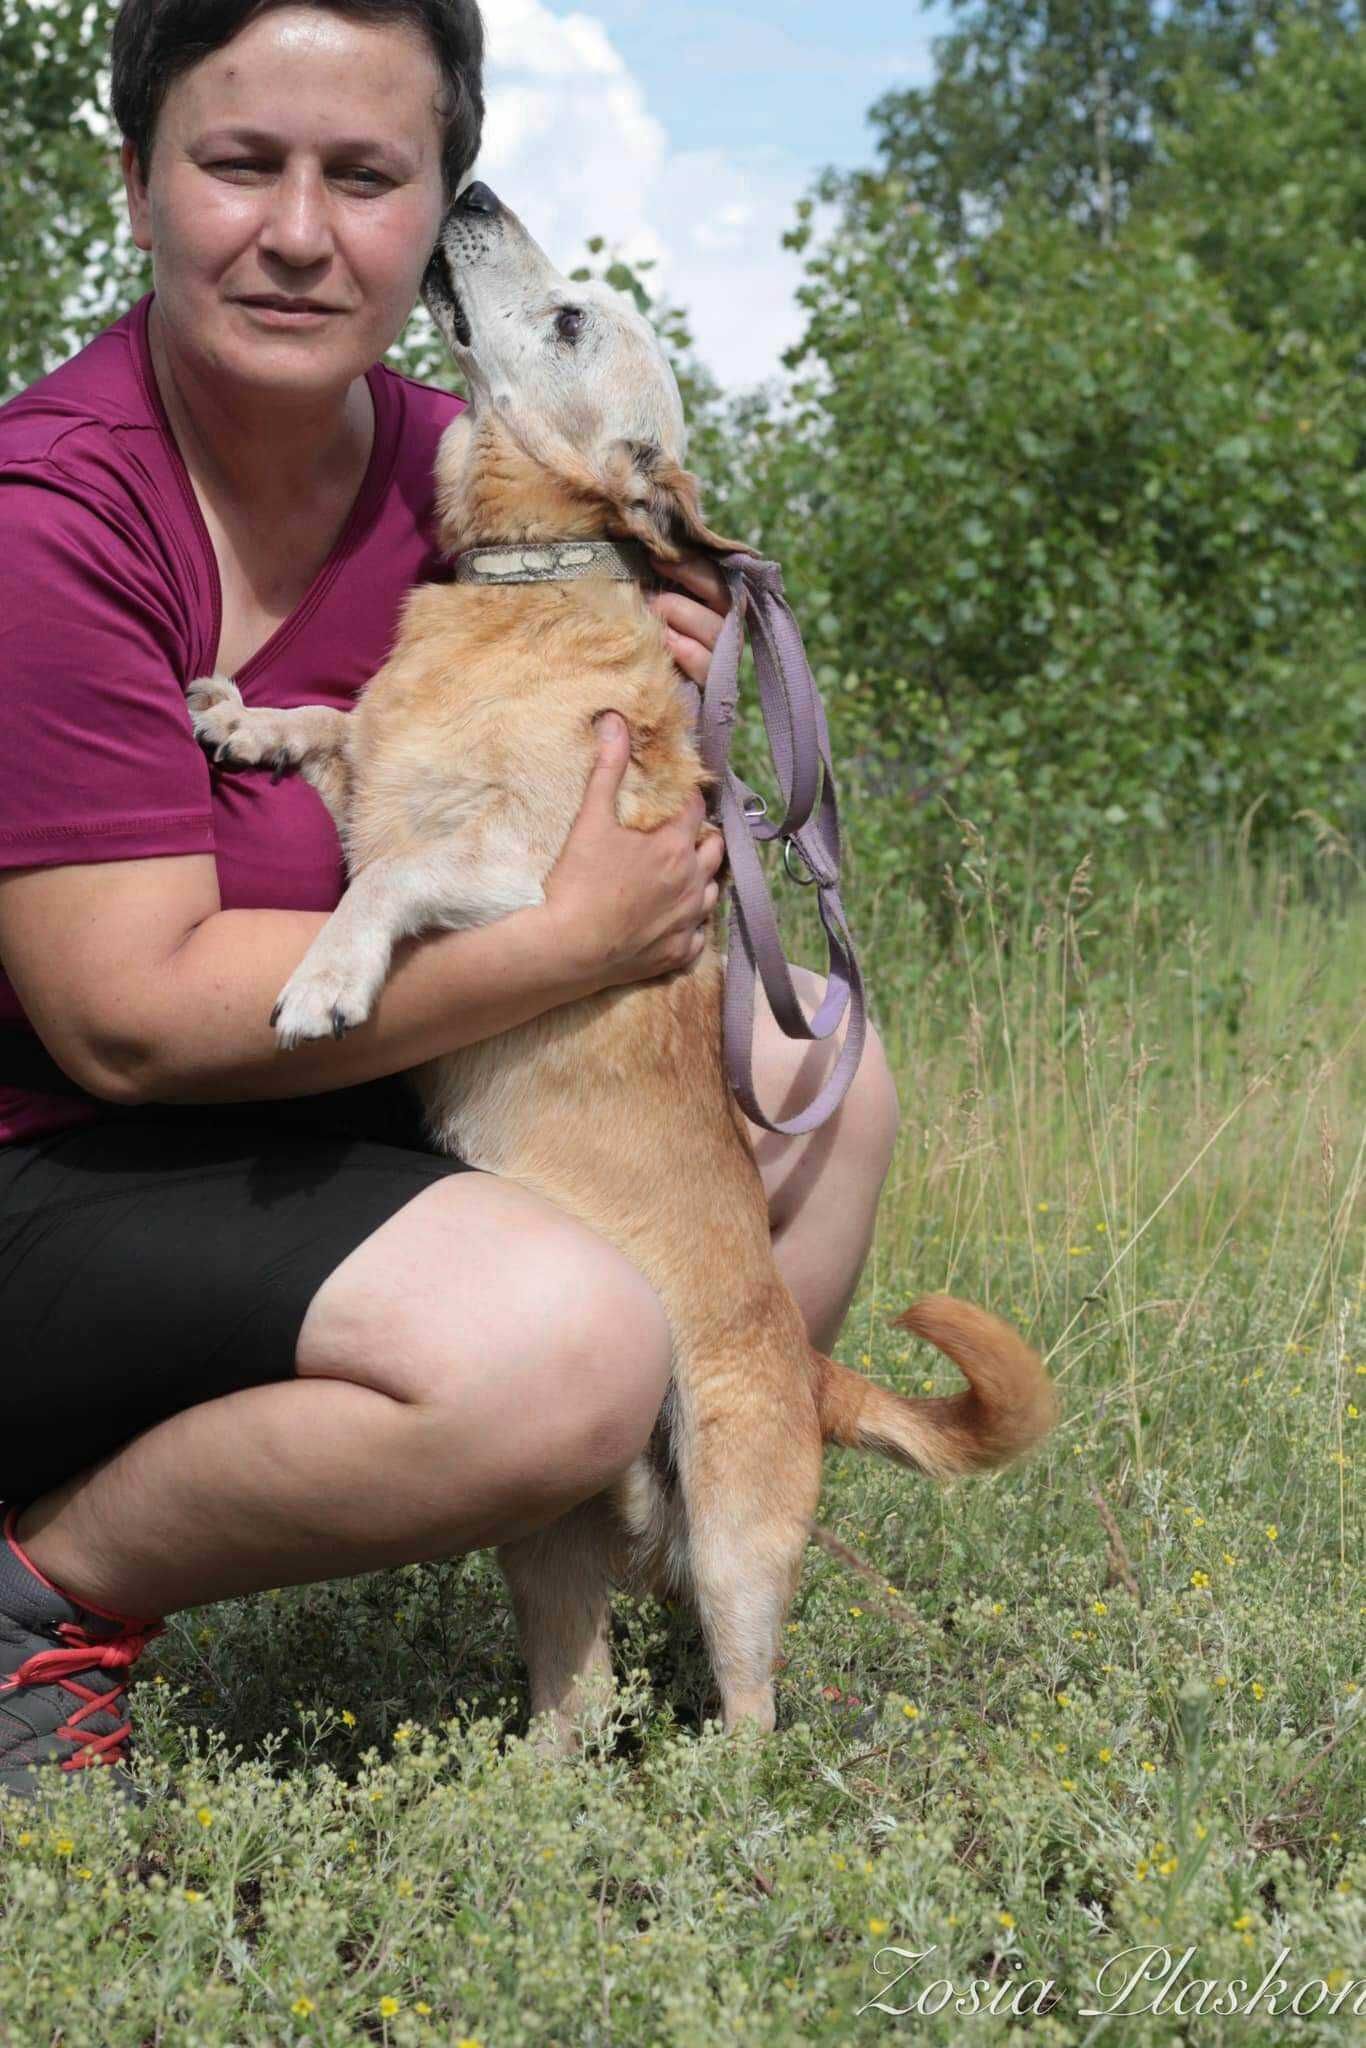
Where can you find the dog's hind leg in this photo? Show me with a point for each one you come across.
(749, 1506)
(560, 1579)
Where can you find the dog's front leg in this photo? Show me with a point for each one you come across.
(441, 886)
(560, 1578)
(314, 738)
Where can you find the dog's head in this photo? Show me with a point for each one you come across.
(575, 425)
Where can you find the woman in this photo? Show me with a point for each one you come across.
(314, 1348)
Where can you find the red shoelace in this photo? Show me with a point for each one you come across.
(115, 1653)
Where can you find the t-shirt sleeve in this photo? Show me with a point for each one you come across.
(98, 760)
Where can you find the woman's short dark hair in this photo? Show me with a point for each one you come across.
(154, 41)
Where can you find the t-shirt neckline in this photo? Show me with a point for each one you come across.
(374, 483)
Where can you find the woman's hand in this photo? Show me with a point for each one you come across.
(692, 624)
(628, 905)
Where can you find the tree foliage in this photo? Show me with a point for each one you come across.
(1090, 555)
(67, 267)
(1063, 102)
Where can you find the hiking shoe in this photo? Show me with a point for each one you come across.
(57, 1717)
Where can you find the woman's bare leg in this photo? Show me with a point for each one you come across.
(823, 1189)
(475, 1367)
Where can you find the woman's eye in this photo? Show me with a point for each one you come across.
(354, 171)
(569, 322)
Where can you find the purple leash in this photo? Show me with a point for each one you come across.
(794, 719)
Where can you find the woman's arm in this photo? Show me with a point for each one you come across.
(144, 990)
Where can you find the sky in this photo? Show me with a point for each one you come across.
(686, 131)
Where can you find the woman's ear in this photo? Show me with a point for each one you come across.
(659, 504)
(135, 192)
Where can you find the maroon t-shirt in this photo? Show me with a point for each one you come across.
(110, 606)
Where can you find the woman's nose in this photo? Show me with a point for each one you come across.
(298, 222)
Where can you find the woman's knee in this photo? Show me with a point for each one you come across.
(605, 1361)
(516, 1326)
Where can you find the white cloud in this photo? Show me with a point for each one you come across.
(572, 146)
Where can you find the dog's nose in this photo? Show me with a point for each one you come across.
(477, 198)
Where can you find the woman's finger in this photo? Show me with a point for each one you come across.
(693, 620)
(715, 847)
(691, 656)
(699, 575)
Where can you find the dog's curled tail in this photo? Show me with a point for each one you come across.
(1009, 1404)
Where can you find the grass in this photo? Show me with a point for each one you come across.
(1110, 1701)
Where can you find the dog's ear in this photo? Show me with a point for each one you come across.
(658, 502)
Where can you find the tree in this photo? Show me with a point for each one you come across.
(1269, 183)
(1075, 547)
(1061, 101)
(67, 265)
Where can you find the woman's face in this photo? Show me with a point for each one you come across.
(302, 159)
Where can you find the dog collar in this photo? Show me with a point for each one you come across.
(555, 561)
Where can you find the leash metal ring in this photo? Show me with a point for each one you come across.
(807, 881)
(755, 798)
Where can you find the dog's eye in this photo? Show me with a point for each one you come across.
(569, 322)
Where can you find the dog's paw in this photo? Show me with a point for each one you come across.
(214, 704)
(239, 736)
(320, 1002)
(554, 1737)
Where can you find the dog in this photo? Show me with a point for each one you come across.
(454, 783)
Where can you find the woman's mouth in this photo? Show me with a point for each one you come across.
(287, 316)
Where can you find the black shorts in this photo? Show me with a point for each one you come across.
(167, 1255)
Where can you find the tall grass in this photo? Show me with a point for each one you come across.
(1108, 1700)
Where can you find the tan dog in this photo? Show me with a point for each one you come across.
(454, 784)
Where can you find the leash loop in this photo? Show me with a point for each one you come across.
(794, 721)
(806, 881)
